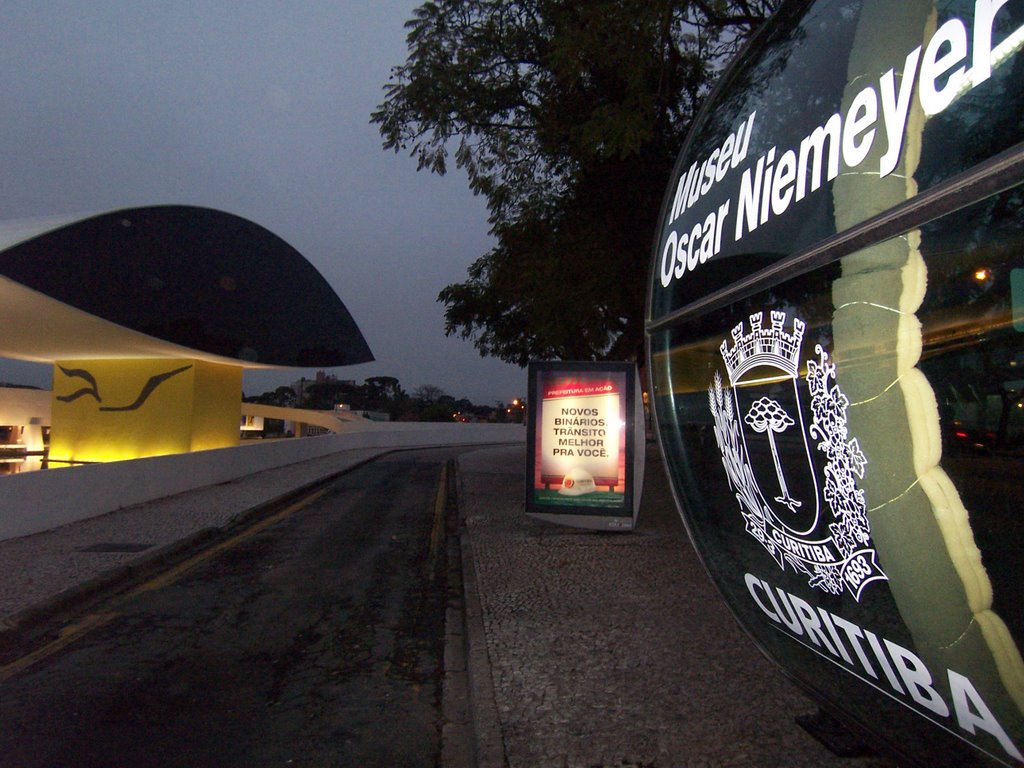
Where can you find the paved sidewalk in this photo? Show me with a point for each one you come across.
(612, 649)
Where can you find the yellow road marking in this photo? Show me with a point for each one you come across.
(440, 500)
(170, 576)
(82, 627)
(67, 635)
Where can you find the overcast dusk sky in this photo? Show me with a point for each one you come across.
(261, 109)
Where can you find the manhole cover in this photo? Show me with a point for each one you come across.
(116, 546)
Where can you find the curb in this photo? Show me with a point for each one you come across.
(22, 625)
(14, 627)
(457, 746)
(489, 747)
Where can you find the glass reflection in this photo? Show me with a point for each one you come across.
(924, 331)
(815, 67)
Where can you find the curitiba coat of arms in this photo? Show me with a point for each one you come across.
(801, 504)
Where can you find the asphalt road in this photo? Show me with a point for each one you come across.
(315, 640)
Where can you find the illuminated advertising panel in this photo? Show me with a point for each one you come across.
(582, 444)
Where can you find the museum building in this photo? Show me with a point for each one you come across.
(149, 317)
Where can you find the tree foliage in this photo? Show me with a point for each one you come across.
(282, 396)
(566, 116)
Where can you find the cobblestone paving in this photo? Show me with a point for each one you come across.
(615, 649)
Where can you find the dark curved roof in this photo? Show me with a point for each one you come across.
(194, 277)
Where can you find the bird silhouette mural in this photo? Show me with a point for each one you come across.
(94, 391)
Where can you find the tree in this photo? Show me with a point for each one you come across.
(384, 389)
(323, 396)
(282, 396)
(429, 393)
(766, 415)
(566, 117)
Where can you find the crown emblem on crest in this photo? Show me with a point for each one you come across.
(771, 345)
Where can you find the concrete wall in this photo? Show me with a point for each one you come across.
(37, 501)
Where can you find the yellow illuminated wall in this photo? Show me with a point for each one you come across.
(110, 410)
